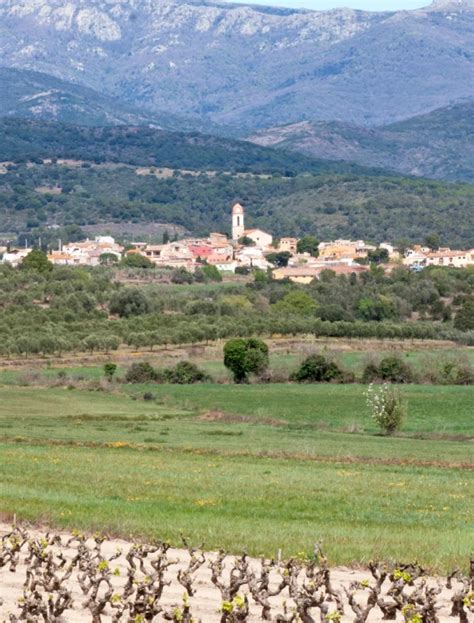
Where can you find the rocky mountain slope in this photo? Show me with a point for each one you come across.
(35, 95)
(249, 66)
(31, 94)
(439, 144)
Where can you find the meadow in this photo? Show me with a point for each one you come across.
(257, 467)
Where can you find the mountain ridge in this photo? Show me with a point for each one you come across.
(35, 95)
(247, 66)
(439, 144)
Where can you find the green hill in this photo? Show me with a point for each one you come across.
(327, 204)
(23, 140)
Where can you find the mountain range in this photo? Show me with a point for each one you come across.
(439, 144)
(244, 66)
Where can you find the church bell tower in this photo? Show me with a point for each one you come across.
(237, 222)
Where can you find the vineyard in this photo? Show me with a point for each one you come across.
(52, 577)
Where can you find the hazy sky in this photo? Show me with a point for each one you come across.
(366, 5)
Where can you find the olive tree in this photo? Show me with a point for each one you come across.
(129, 302)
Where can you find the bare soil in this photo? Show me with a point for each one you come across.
(206, 603)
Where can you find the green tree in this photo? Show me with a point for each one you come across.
(37, 260)
(402, 245)
(379, 308)
(91, 343)
(279, 259)
(464, 320)
(136, 260)
(245, 356)
(378, 256)
(129, 302)
(296, 302)
(308, 244)
(181, 276)
(432, 241)
(110, 342)
(246, 241)
(260, 277)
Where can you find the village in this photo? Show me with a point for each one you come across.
(287, 257)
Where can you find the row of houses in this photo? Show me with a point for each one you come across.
(87, 253)
(342, 258)
(249, 248)
(419, 257)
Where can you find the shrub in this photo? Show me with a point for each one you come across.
(211, 272)
(181, 276)
(371, 373)
(333, 312)
(141, 372)
(394, 370)
(242, 270)
(318, 369)
(457, 372)
(272, 376)
(186, 373)
(386, 407)
(391, 369)
(109, 370)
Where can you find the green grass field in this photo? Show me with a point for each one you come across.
(259, 467)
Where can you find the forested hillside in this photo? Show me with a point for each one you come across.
(22, 140)
(328, 205)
